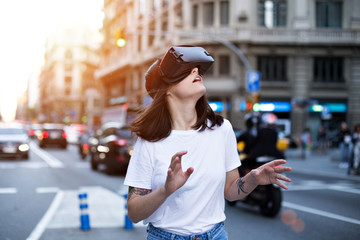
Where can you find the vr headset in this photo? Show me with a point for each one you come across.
(179, 61)
(176, 65)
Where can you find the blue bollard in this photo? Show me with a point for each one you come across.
(84, 213)
(128, 223)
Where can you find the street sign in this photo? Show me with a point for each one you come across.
(253, 81)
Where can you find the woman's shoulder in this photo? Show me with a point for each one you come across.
(225, 125)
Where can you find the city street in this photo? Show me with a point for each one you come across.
(39, 200)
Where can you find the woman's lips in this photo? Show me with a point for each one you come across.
(197, 79)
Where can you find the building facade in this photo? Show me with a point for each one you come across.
(307, 52)
(68, 92)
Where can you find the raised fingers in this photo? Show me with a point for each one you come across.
(277, 162)
(176, 159)
(283, 178)
(281, 169)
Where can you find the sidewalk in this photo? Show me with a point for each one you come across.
(319, 164)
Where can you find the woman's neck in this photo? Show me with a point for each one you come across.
(183, 115)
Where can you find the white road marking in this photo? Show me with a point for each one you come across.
(320, 213)
(50, 160)
(47, 189)
(345, 189)
(41, 226)
(320, 185)
(106, 209)
(7, 166)
(33, 165)
(8, 190)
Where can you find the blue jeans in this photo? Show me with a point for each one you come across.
(216, 233)
(345, 152)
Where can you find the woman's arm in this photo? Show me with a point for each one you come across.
(142, 203)
(237, 188)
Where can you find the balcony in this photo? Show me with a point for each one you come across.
(282, 35)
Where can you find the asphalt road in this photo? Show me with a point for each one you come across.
(39, 200)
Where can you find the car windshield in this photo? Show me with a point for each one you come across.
(10, 131)
(125, 133)
(122, 132)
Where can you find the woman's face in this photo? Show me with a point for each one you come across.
(191, 87)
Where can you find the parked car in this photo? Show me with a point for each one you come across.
(53, 134)
(14, 142)
(112, 148)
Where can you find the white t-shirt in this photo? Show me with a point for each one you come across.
(199, 204)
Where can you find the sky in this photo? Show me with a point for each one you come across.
(24, 27)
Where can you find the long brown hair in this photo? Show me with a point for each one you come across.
(154, 123)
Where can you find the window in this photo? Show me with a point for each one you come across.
(68, 80)
(68, 54)
(329, 69)
(224, 65)
(272, 13)
(328, 14)
(195, 15)
(272, 68)
(67, 90)
(209, 14)
(224, 13)
(139, 43)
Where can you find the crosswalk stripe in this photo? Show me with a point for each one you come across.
(47, 189)
(8, 190)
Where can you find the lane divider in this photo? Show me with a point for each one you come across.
(50, 160)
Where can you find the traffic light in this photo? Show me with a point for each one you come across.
(120, 39)
(249, 104)
(252, 102)
(256, 97)
(256, 101)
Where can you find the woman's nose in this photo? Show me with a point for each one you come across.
(195, 70)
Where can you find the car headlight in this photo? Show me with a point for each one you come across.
(102, 149)
(93, 141)
(24, 147)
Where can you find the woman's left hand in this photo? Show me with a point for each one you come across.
(271, 173)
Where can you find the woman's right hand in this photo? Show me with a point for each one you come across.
(176, 178)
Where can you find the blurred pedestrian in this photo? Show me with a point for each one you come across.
(249, 137)
(321, 140)
(355, 156)
(185, 159)
(305, 143)
(345, 145)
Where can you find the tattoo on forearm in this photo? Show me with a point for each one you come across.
(240, 184)
(138, 191)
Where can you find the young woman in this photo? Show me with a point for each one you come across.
(185, 159)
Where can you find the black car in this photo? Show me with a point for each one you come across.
(113, 148)
(53, 134)
(14, 142)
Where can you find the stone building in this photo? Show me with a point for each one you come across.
(66, 81)
(307, 52)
